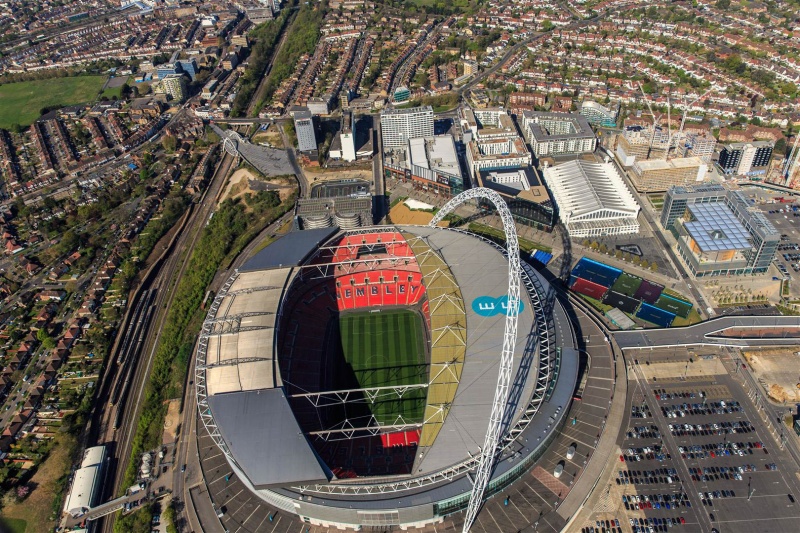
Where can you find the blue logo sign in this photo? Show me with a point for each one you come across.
(489, 306)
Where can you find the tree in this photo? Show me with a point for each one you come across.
(547, 25)
(170, 143)
(723, 4)
(654, 266)
(45, 338)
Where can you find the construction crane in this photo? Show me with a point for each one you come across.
(683, 118)
(790, 165)
(653, 133)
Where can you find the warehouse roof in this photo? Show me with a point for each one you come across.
(581, 188)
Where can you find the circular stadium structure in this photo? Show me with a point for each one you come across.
(349, 377)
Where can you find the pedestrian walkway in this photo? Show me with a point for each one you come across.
(583, 497)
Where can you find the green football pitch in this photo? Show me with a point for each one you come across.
(386, 349)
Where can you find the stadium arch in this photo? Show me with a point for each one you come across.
(491, 443)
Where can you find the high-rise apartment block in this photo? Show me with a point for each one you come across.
(745, 159)
(304, 129)
(400, 125)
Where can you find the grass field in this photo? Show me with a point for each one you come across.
(20, 102)
(36, 513)
(626, 284)
(13, 525)
(386, 349)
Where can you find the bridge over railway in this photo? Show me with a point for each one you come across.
(268, 161)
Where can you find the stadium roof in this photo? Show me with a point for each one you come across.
(584, 189)
(240, 353)
(715, 228)
(290, 250)
(480, 270)
(265, 439)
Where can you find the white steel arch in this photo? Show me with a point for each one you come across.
(491, 444)
(230, 146)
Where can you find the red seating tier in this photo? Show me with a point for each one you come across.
(378, 288)
(394, 242)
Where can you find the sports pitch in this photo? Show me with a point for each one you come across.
(387, 349)
(626, 284)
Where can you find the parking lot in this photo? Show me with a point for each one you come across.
(786, 219)
(694, 454)
(735, 475)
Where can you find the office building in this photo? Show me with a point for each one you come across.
(430, 163)
(188, 67)
(174, 85)
(167, 69)
(658, 175)
(400, 125)
(554, 134)
(745, 159)
(304, 129)
(599, 115)
(592, 199)
(718, 232)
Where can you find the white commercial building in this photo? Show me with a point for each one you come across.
(348, 134)
(434, 153)
(86, 483)
(592, 199)
(304, 129)
(400, 125)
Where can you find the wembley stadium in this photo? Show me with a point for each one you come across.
(353, 377)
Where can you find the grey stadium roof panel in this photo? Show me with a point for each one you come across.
(290, 250)
(264, 438)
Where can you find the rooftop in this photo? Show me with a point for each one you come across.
(715, 228)
(673, 164)
(583, 187)
(435, 153)
(520, 182)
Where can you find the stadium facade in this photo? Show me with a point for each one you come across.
(344, 374)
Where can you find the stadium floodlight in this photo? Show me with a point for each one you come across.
(492, 441)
